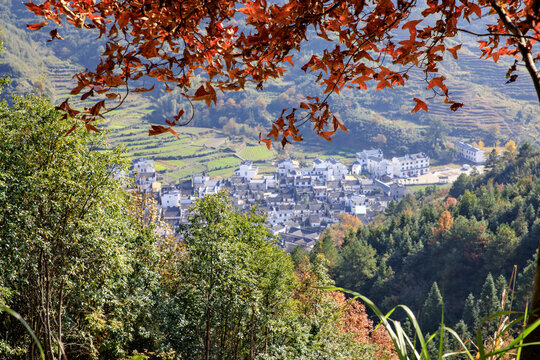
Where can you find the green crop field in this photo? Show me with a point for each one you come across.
(222, 173)
(222, 163)
(257, 153)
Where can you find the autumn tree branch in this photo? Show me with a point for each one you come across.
(525, 51)
(496, 34)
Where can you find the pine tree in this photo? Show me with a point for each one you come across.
(501, 285)
(462, 330)
(432, 310)
(408, 328)
(524, 286)
(530, 213)
(488, 303)
(470, 313)
(464, 334)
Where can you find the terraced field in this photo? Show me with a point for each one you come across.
(481, 86)
(197, 149)
(470, 81)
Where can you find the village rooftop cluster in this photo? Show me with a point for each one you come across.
(300, 201)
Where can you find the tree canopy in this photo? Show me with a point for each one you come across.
(205, 47)
(64, 219)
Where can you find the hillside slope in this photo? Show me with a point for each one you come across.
(493, 110)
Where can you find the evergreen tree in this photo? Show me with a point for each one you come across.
(459, 186)
(462, 330)
(408, 328)
(325, 246)
(530, 213)
(299, 256)
(524, 286)
(467, 204)
(501, 246)
(356, 266)
(432, 310)
(454, 345)
(501, 285)
(470, 313)
(488, 303)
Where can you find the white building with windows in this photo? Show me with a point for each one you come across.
(286, 166)
(411, 165)
(338, 171)
(199, 178)
(170, 199)
(247, 170)
(142, 166)
(368, 161)
(380, 168)
(328, 170)
(470, 153)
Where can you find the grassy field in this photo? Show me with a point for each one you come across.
(257, 153)
(424, 186)
(223, 163)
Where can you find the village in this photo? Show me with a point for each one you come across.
(301, 202)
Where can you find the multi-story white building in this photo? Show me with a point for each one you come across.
(328, 170)
(170, 199)
(364, 158)
(337, 169)
(471, 153)
(199, 178)
(247, 170)
(286, 167)
(142, 166)
(372, 161)
(411, 165)
(380, 168)
(144, 174)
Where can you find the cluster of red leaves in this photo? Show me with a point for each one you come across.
(445, 223)
(353, 317)
(354, 320)
(174, 41)
(450, 202)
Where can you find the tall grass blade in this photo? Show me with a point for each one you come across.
(524, 325)
(396, 333)
(458, 338)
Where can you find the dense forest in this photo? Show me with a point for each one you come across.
(458, 246)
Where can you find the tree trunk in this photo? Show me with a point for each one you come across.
(526, 53)
(207, 336)
(252, 335)
(531, 352)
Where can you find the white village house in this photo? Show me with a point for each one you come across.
(411, 165)
(470, 153)
(247, 170)
(373, 162)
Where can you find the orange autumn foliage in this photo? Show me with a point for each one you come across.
(199, 48)
(445, 222)
(348, 224)
(354, 320)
